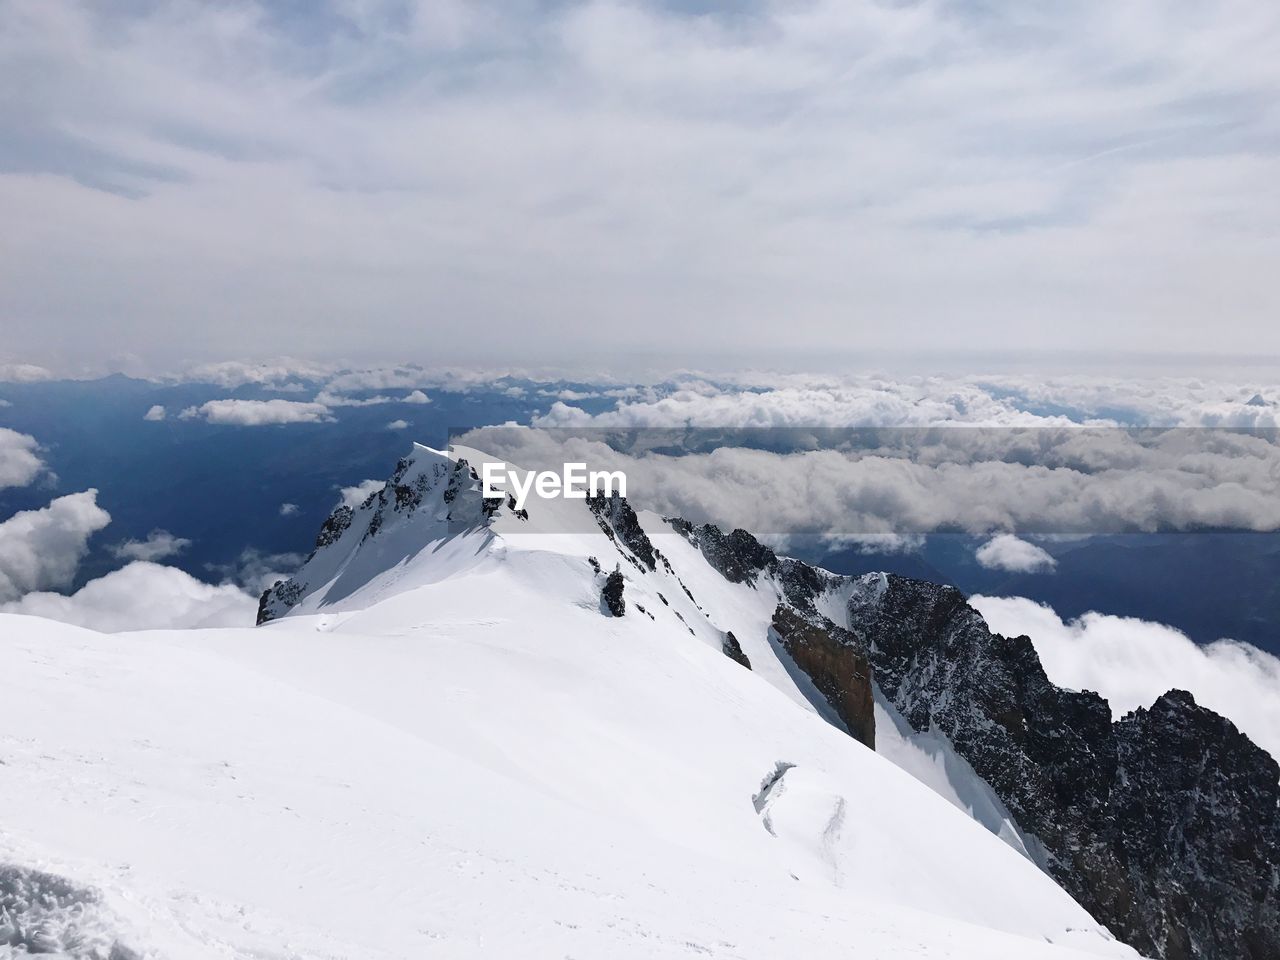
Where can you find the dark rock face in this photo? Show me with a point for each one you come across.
(1194, 788)
(611, 593)
(619, 522)
(732, 649)
(738, 556)
(1164, 825)
(836, 662)
(334, 526)
(802, 584)
(277, 599)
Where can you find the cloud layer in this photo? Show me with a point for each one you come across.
(143, 596)
(768, 177)
(1033, 480)
(1131, 662)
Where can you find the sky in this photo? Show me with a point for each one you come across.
(456, 181)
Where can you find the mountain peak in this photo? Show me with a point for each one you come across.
(430, 496)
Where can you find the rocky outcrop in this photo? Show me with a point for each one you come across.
(611, 594)
(732, 649)
(278, 599)
(1195, 803)
(1164, 824)
(738, 556)
(621, 525)
(426, 489)
(836, 662)
(334, 526)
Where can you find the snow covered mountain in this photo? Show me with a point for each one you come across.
(449, 748)
(1163, 824)
(470, 731)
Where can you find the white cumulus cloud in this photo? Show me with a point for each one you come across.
(41, 549)
(398, 425)
(143, 596)
(257, 413)
(19, 462)
(1131, 662)
(356, 495)
(157, 412)
(288, 509)
(1007, 552)
(416, 397)
(158, 545)
(23, 373)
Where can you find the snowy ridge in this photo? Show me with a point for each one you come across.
(371, 558)
(443, 744)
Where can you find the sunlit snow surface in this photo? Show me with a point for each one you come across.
(465, 758)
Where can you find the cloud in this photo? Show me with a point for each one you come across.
(23, 373)
(270, 176)
(143, 596)
(158, 545)
(19, 462)
(417, 396)
(790, 400)
(288, 509)
(280, 374)
(872, 544)
(156, 412)
(330, 399)
(1007, 552)
(1057, 455)
(398, 425)
(255, 570)
(1132, 662)
(378, 378)
(812, 402)
(257, 413)
(356, 495)
(41, 549)
(1022, 480)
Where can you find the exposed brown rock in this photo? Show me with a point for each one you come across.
(834, 660)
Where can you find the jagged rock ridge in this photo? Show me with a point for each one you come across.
(1164, 824)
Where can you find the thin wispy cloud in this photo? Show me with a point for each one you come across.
(159, 545)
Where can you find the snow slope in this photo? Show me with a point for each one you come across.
(447, 749)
